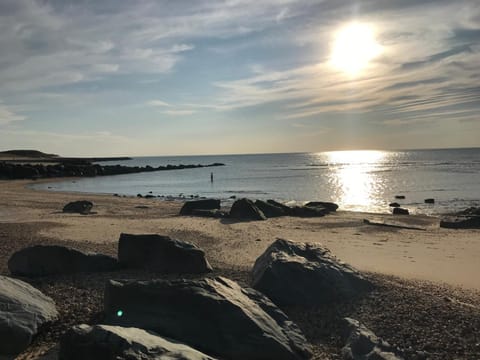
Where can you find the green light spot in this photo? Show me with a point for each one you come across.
(119, 313)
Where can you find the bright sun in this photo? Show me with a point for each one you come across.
(355, 45)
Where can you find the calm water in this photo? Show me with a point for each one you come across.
(356, 180)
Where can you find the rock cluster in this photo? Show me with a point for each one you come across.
(81, 207)
(246, 209)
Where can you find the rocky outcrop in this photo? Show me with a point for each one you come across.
(363, 344)
(103, 342)
(400, 211)
(461, 222)
(204, 204)
(246, 209)
(23, 310)
(216, 316)
(292, 273)
(80, 207)
(161, 254)
(287, 209)
(42, 260)
(429, 201)
(394, 204)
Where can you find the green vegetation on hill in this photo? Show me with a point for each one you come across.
(28, 153)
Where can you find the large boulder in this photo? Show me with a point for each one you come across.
(330, 206)
(292, 273)
(80, 207)
(246, 209)
(161, 254)
(204, 204)
(270, 210)
(216, 316)
(23, 310)
(103, 342)
(362, 344)
(42, 260)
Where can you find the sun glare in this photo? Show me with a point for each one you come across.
(354, 47)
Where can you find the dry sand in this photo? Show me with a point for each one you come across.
(447, 259)
(436, 254)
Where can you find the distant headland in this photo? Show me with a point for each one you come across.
(34, 164)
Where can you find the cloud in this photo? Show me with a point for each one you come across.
(7, 116)
(158, 103)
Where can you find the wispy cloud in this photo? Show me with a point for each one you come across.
(7, 116)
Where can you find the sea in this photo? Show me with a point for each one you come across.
(364, 180)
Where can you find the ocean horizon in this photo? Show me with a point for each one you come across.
(357, 180)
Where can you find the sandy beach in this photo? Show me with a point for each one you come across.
(428, 295)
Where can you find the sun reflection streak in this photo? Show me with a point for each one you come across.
(354, 179)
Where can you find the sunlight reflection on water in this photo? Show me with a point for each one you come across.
(355, 179)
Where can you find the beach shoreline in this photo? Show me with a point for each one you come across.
(424, 266)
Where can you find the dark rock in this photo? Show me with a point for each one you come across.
(216, 316)
(80, 207)
(139, 195)
(461, 222)
(394, 204)
(161, 254)
(471, 211)
(399, 196)
(149, 196)
(209, 213)
(42, 260)
(246, 209)
(429, 201)
(103, 342)
(400, 211)
(309, 211)
(286, 209)
(23, 310)
(324, 204)
(363, 344)
(292, 273)
(270, 210)
(207, 204)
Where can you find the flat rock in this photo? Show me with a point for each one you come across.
(309, 211)
(161, 254)
(461, 222)
(217, 214)
(270, 210)
(400, 211)
(292, 273)
(203, 204)
(23, 310)
(330, 206)
(42, 260)
(216, 316)
(287, 209)
(104, 342)
(363, 344)
(80, 207)
(246, 209)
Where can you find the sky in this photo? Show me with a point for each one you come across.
(148, 77)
